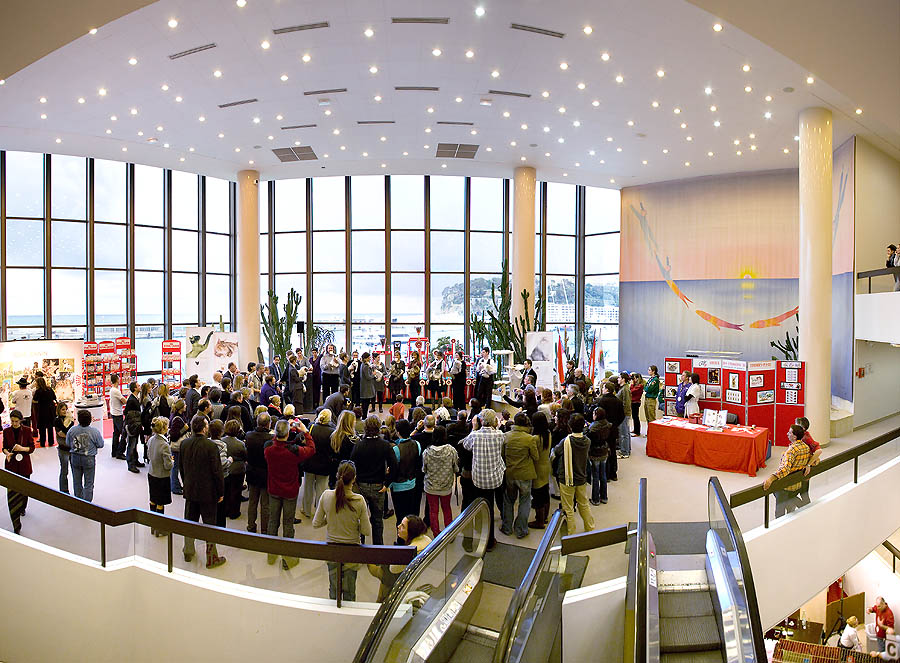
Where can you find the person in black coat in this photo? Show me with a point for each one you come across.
(257, 473)
(294, 391)
(204, 485)
(615, 415)
(44, 406)
(337, 402)
(316, 380)
(133, 427)
(276, 370)
(526, 371)
(237, 399)
(192, 397)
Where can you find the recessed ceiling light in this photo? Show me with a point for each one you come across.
(336, 132)
(191, 149)
(785, 150)
(745, 68)
(644, 162)
(655, 104)
(436, 52)
(577, 164)
(377, 97)
(512, 143)
(237, 149)
(306, 57)
(241, 4)
(343, 147)
(612, 180)
(660, 73)
(576, 123)
(687, 163)
(383, 139)
(384, 165)
(546, 154)
(159, 127)
(546, 130)
(489, 149)
(591, 152)
(140, 133)
(753, 148)
(562, 109)
(665, 150)
(43, 116)
(284, 77)
(59, 140)
(505, 113)
(164, 87)
(108, 131)
(717, 27)
(255, 120)
(43, 100)
(797, 138)
(609, 139)
(684, 125)
(474, 132)
(113, 117)
(737, 141)
(618, 149)
(133, 111)
(767, 115)
(458, 100)
(707, 90)
(563, 65)
(524, 127)
(279, 117)
(709, 154)
(470, 53)
(768, 97)
(221, 135)
(165, 145)
(595, 103)
(521, 158)
(859, 111)
(92, 31)
(373, 69)
(620, 78)
(748, 89)
(602, 160)
(676, 110)
(604, 56)
(178, 99)
(132, 61)
(689, 138)
(588, 29)
(251, 160)
(80, 100)
(296, 142)
(713, 108)
(581, 86)
(217, 73)
(495, 74)
(565, 174)
(270, 137)
(560, 140)
(369, 32)
(2, 81)
(202, 118)
(124, 149)
(406, 154)
(810, 80)
(717, 123)
(173, 23)
(102, 91)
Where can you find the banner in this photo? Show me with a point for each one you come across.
(208, 350)
(59, 361)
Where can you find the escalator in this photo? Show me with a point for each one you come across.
(435, 611)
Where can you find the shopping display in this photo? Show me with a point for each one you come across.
(171, 363)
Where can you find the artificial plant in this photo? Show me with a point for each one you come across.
(278, 329)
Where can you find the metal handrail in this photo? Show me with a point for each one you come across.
(737, 541)
(526, 588)
(382, 620)
(895, 554)
(884, 271)
(754, 493)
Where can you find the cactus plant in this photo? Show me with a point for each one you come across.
(791, 346)
(277, 329)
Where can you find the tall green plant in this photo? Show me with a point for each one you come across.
(278, 329)
(791, 346)
(317, 337)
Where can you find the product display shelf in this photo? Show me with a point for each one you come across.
(109, 364)
(127, 362)
(92, 370)
(171, 363)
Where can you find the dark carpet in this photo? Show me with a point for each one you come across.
(506, 565)
(675, 538)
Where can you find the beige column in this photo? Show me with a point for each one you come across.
(522, 250)
(815, 266)
(247, 293)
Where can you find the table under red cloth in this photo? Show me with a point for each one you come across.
(735, 449)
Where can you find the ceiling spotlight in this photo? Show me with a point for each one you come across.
(748, 89)
(767, 115)
(745, 68)
(521, 158)
(221, 135)
(768, 97)
(709, 154)
(687, 163)
(563, 65)
(479, 11)
(707, 90)
(241, 4)
(546, 154)
(578, 164)
(717, 27)
(644, 162)
(178, 99)
(753, 148)
(159, 127)
(43, 116)
(173, 23)
(255, 120)
(102, 92)
(327, 112)
(595, 103)
(430, 109)
(495, 74)
(373, 69)
(279, 117)
(443, 165)
(591, 152)
(660, 73)
(140, 133)
(609, 139)
(604, 56)
(545, 94)
(684, 125)
(524, 127)
(489, 149)
(166, 145)
(368, 32)
(217, 73)
(59, 140)
(655, 104)
(713, 108)
(576, 123)
(132, 61)
(512, 143)
(785, 150)
(113, 117)
(458, 100)
(306, 57)
(80, 100)
(505, 113)
(182, 158)
(202, 118)
(618, 149)
(546, 130)
(377, 97)
(436, 52)
(165, 87)
(270, 137)
(676, 110)
(470, 54)
(588, 29)
(108, 131)
(562, 109)
(581, 86)
(343, 147)
(717, 123)
(474, 132)
(689, 138)
(737, 141)
(859, 111)
(237, 149)
(124, 149)
(796, 138)
(296, 142)
(810, 80)
(92, 31)
(133, 111)
(612, 180)
(406, 154)
(665, 150)
(251, 160)
(620, 78)
(284, 77)
(336, 132)
(383, 139)
(560, 140)
(191, 149)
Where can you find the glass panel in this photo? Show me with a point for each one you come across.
(340, 335)
(609, 341)
(69, 333)
(402, 333)
(537, 252)
(480, 298)
(149, 302)
(367, 202)
(110, 301)
(24, 333)
(367, 251)
(328, 203)
(486, 252)
(109, 190)
(447, 298)
(290, 205)
(367, 298)
(111, 333)
(601, 254)
(560, 299)
(185, 299)
(602, 210)
(217, 253)
(367, 338)
(148, 195)
(110, 248)
(184, 200)
(448, 202)
(328, 252)
(407, 201)
(68, 187)
(444, 334)
(567, 333)
(148, 346)
(561, 208)
(601, 299)
(329, 297)
(264, 207)
(148, 248)
(447, 251)
(217, 204)
(407, 250)
(560, 255)
(185, 251)
(24, 184)
(407, 297)
(264, 254)
(218, 298)
(283, 285)
(24, 242)
(68, 244)
(290, 252)
(68, 296)
(487, 203)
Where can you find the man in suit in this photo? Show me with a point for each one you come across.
(192, 397)
(526, 371)
(293, 391)
(316, 377)
(275, 369)
(204, 484)
(231, 372)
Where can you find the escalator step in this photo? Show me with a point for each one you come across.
(688, 634)
(711, 656)
(685, 604)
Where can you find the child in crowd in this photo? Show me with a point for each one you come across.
(398, 409)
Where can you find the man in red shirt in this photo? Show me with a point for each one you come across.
(884, 619)
(815, 450)
(283, 461)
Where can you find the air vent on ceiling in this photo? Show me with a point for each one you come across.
(420, 20)
(456, 151)
(456, 124)
(312, 93)
(507, 93)
(540, 31)
(299, 28)
(364, 122)
(191, 51)
(231, 104)
(299, 126)
(302, 153)
(416, 88)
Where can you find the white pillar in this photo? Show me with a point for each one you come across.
(815, 266)
(522, 250)
(247, 293)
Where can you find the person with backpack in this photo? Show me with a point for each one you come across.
(409, 458)
(571, 467)
(598, 433)
(440, 464)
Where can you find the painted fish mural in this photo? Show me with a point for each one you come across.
(774, 322)
(718, 323)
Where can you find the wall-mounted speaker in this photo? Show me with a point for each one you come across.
(300, 326)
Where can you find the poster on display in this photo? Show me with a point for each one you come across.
(59, 361)
(713, 392)
(209, 350)
(713, 376)
(767, 396)
(540, 346)
(732, 396)
(546, 371)
(756, 380)
(733, 383)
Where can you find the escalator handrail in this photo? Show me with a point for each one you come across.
(382, 620)
(640, 606)
(737, 540)
(515, 611)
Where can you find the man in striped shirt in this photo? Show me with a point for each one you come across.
(796, 457)
(486, 444)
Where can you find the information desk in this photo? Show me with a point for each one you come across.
(735, 449)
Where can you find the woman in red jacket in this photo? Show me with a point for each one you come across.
(18, 445)
(637, 390)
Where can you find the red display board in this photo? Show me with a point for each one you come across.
(127, 362)
(109, 364)
(171, 363)
(710, 373)
(790, 397)
(761, 395)
(674, 367)
(92, 370)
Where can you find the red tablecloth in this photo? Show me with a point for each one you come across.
(736, 449)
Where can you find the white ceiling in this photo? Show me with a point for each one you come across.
(641, 37)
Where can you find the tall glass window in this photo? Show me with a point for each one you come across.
(601, 281)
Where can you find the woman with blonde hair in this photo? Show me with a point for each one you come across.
(275, 407)
(161, 463)
(849, 639)
(344, 435)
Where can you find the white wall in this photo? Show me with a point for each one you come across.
(877, 199)
(876, 395)
(593, 622)
(70, 609)
(802, 553)
(877, 317)
(873, 576)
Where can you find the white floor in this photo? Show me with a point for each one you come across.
(676, 493)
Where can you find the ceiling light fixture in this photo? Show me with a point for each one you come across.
(336, 132)
(717, 27)
(165, 87)
(202, 118)
(588, 29)
(546, 154)
(618, 149)
(178, 98)
(810, 80)
(430, 109)
(495, 74)
(609, 139)
(859, 111)
(660, 73)
(748, 89)
(512, 143)
(270, 137)
(132, 61)
(505, 113)
(524, 127)
(383, 139)
(443, 165)
(384, 165)
(562, 109)
(745, 68)
(327, 112)
(173, 23)
(474, 132)
(479, 11)
(768, 97)
(221, 135)
(59, 140)
(581, 86)
(284, 78)
(241, 4)
(140, 133)
(165, 145)
(191, 149)
(546, 130)
(113, 117)
(255, 120)
(279, 117)
(689, 138)
(684, 125)
(108, 131)
(591, 152)
(713, 108)
(576, 123)
(717, 123)
(753, 148)
(707, 90)
(343, 147)
(709, 154)
(665, 150)
(264, 45)
(369, 32)
(521, 158)
(644, 162)
(560, 140)
(458, 100)
(124, 149)
(436, 52)
(306, 57)
(737, 141)
(133, 111)
(489, 149)
(237, 149)
(377, 97)
(595, 103)
(43, 116)
(217, 73)
(687, 163)
(797, 138)
(159, 127)
(620, 78)
(80, 100)
(655, 104)
(785, 150)
(470, 54)
(102, 92)
(373, 69)
(406, 154)
(563, 65)
(604, 56)
(92, 31)
(676, 110)
(767, 115)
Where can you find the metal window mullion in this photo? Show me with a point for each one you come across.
(167, 257)
(90, 326)
(201, 219)
(467, 272)
(580, 209)
(48, 307)
(543, 266)
(309, 252)
(232, 255)
(387, 265)
(3, 322)
(347, 258)
(130, 265)
(427, 279)
(506, 225)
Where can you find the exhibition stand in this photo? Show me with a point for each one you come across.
(733, 449)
